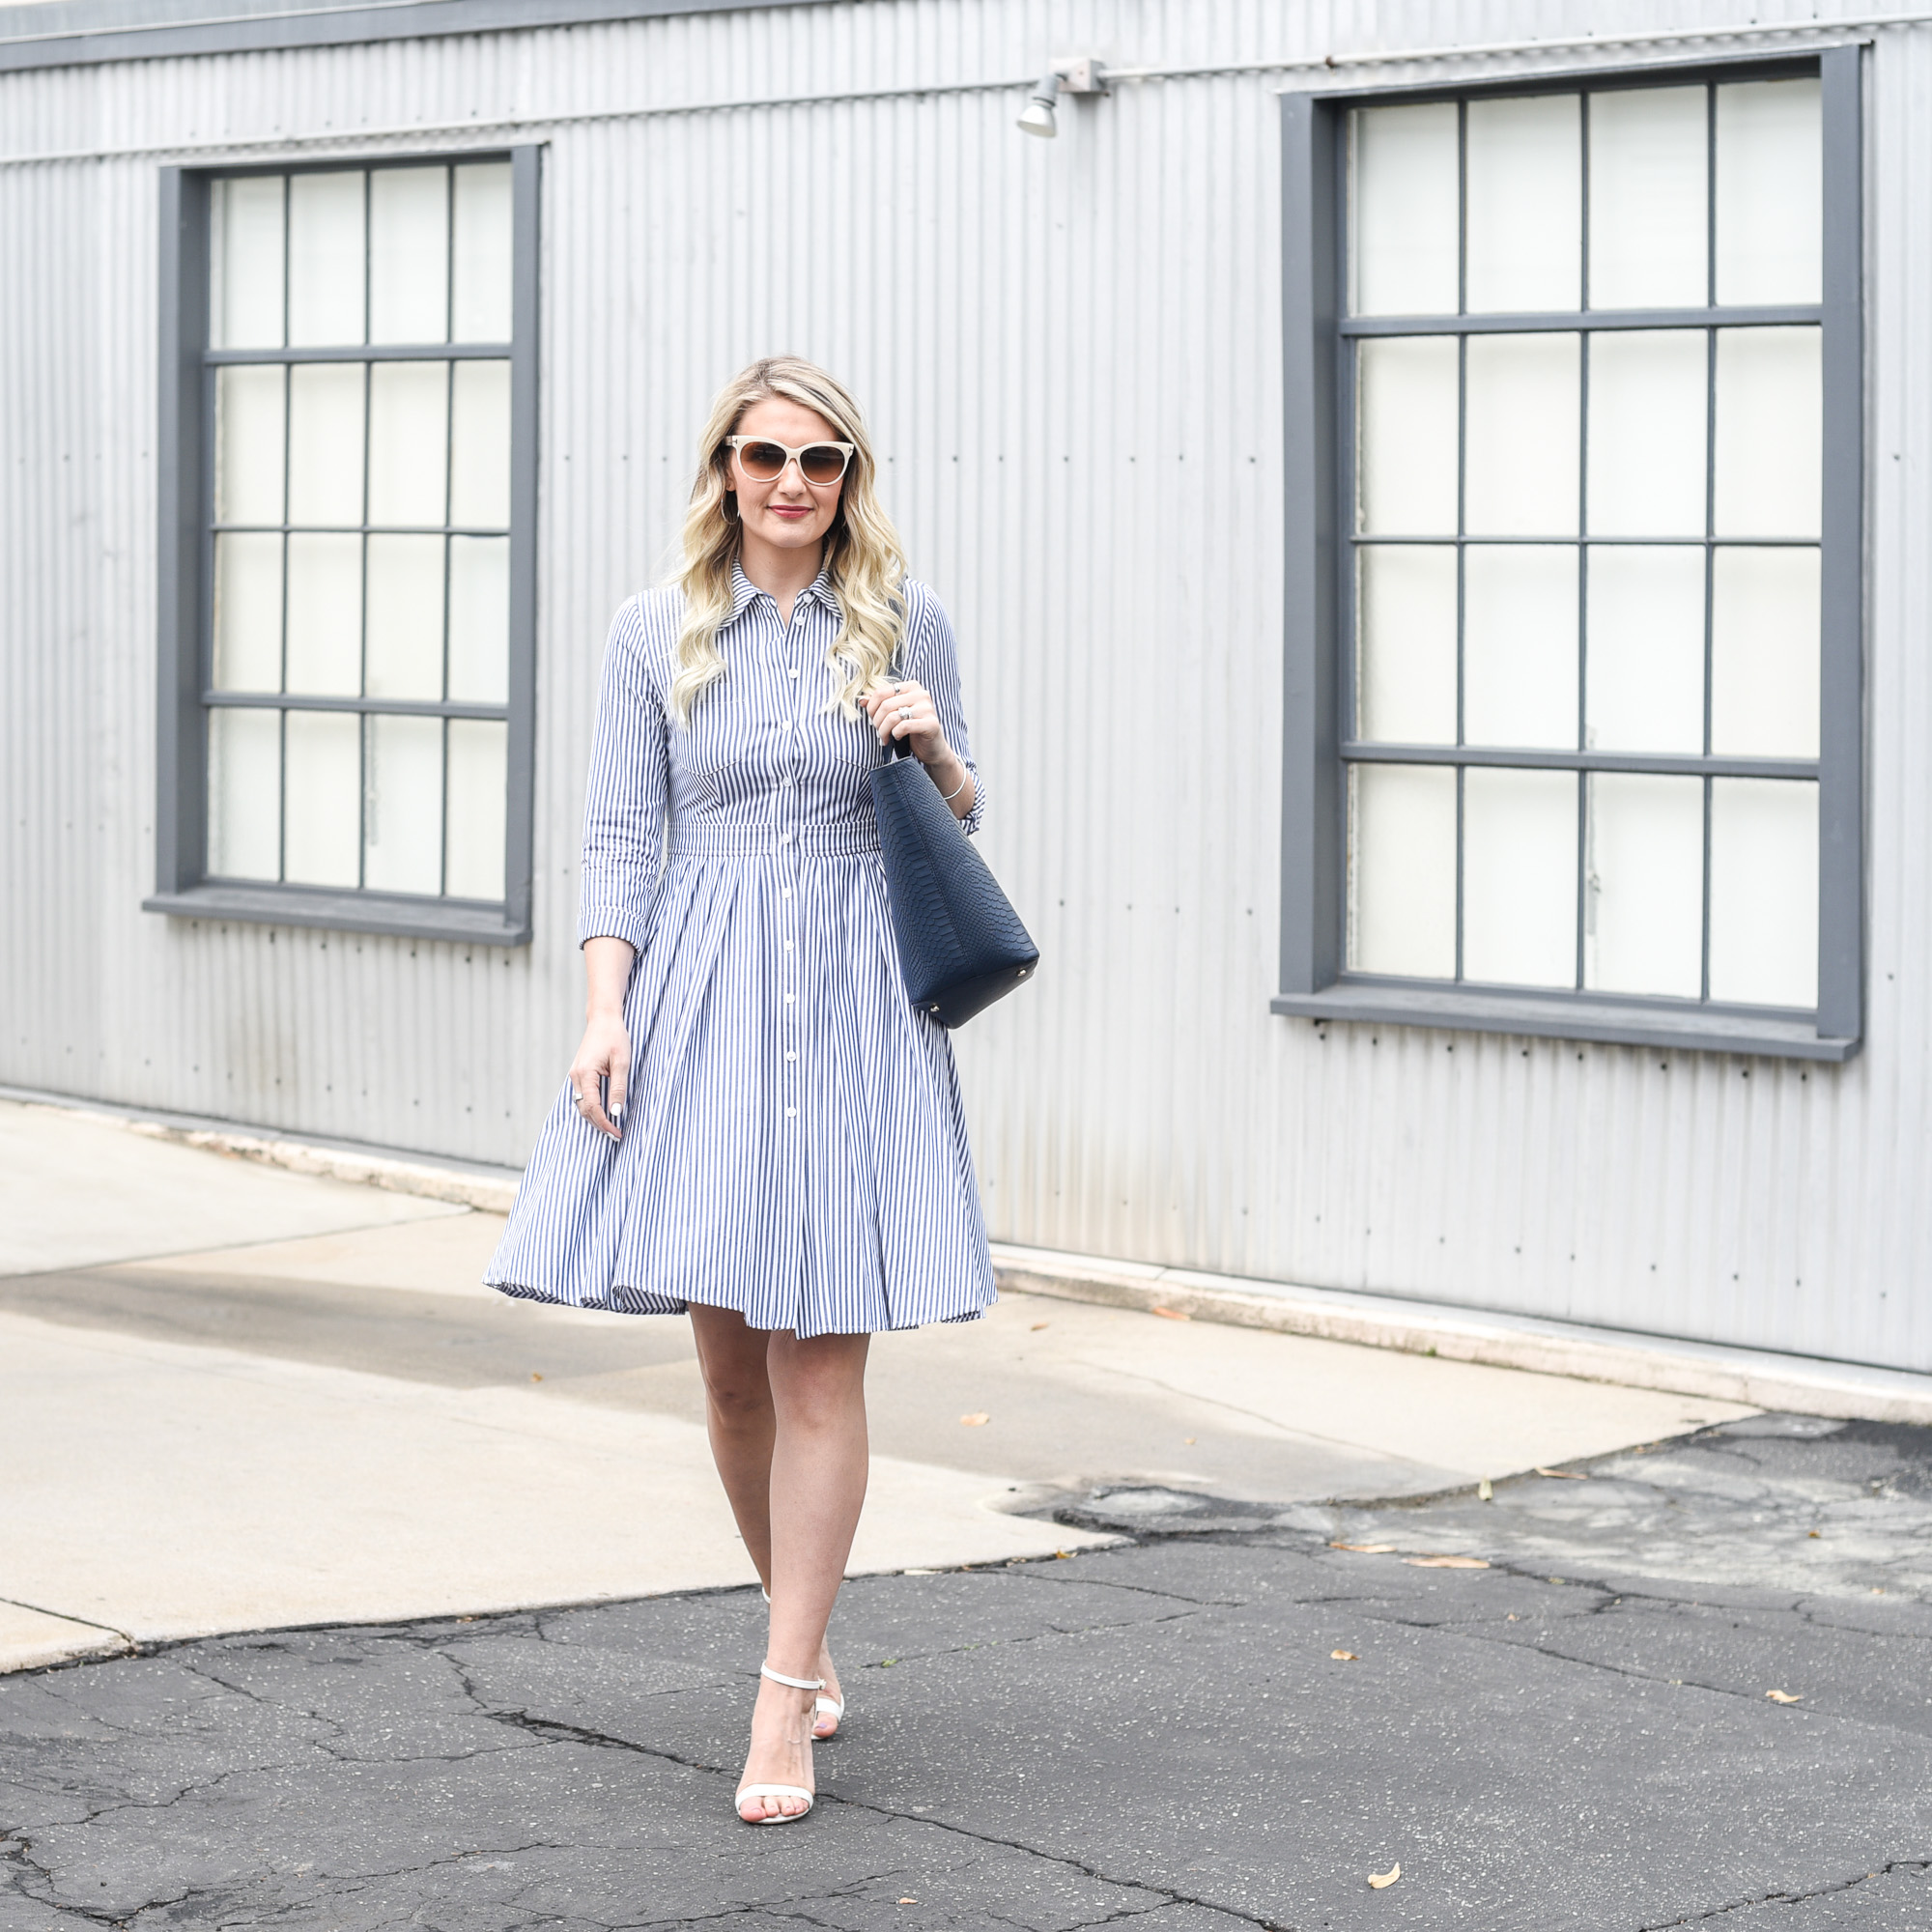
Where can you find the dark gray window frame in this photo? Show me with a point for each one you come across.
(184, 472)
(1314, 982)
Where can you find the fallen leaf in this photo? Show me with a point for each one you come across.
(1062, 1555)
(1447, 1562)
(1366, 1548)
(1036, 1328)
(1188, 1441)
(1379, 1881)
(1171, 1314)
(979, 1419)
(1783, 1697)
(1484, 1492)
(908, 1901)
(1565, 1475)
(1814, 1532)
(534, 1376)
(1344, 1657)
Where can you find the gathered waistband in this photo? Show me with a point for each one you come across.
(758, 842)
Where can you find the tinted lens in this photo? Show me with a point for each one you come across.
(762, 460)
(822, 463)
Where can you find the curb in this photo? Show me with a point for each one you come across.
(1760, 1379)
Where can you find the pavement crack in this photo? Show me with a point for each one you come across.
(1836, 1887)
(556, 1732)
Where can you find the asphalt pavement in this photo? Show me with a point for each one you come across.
(1633, 1693)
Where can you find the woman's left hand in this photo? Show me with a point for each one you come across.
(905, 711)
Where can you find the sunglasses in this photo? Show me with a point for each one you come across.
(764, 460)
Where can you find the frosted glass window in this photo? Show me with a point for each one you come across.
(1521, 470)
(321, 842)
(1407, 612)
(325, 260)
(324, 658)
(1649, 215)
(1770, 433)
(1764, 892)
(1644, 910)
(1402, 869)
(1520, 645)
(1646, 650)
(408, 255)
(479, 619)
(244, 794)
(1519, 877)
(409, 441)
(479, 455)
(1648, 393)
(1764, 653)
(249, 428)
(481, 275)
(402, 807)
(1404, 210)
(1407, 404)
(245, 263)
(405, 656)
(325, 444)
(247, 612)
(1770, 192)
(478, 787)
(1526, 181)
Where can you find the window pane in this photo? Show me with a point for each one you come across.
(1405, 694)
(1649, 215)
(1770, 192)
(1646, 649)
(245, 309)
(409, 441)
(325, 444)
(1402, 869)
(324, 798)
(1403, 210)
(1520, 645)
(1644, 917)
(479, 619)
(248, 432)
(1648, 393)
(1770, 431)
(405, 617)
(482, 271)
(1406, 440)
(1764, 892)
(249, 613)
(244, 794)
(1519, 877)
(1764, 653)
(326, 256)
(401, 813)
(1526, 204)
(478, 788)
(325, 615)
(408, 255)
(1522, 473)
(479, 453)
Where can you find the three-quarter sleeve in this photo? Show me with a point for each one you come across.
(624, 809)
(931, 658)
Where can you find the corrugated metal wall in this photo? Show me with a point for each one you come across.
(1070, 354)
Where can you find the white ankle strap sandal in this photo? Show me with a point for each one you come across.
(826, 1706)
(746, 1791)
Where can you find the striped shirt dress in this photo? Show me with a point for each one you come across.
(793, 1145)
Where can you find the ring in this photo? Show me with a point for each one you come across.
(905, 711)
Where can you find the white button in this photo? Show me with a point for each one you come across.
(789, 1112)
(785, 780)
(787, 945)
(791, 1056)
(795, 673)
(787, 892)
(788, 999)
(785, 838)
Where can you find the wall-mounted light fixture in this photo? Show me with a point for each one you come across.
(1068, 76)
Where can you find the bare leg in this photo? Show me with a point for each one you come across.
(788, 1426)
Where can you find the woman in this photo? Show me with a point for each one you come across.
(759, 1129)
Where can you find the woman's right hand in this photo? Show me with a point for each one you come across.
(604, 1059)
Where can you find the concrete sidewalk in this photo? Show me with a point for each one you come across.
(236, 1398)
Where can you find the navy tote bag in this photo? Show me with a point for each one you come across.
(961, 944)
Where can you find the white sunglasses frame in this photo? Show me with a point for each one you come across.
(848, 450)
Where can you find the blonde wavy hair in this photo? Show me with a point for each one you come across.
(864, 558)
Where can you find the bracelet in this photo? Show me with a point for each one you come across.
(949, 796)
